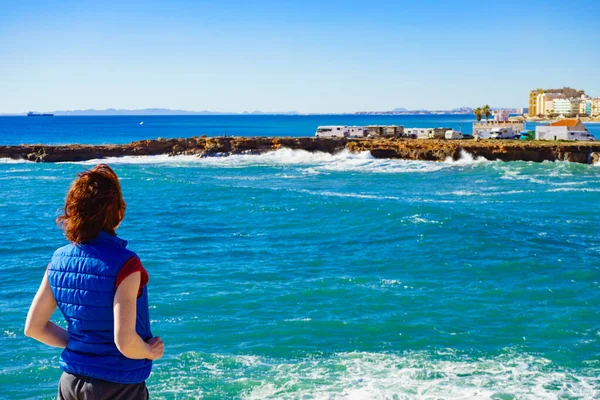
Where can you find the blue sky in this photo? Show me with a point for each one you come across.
(307, 56)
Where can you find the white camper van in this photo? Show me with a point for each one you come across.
(496, 133)
(340, 131)
(502, 133)
(451, 134)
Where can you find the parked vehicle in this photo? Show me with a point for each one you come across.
(340, 131)
(437, 133)
(451, 134)
(502, 133)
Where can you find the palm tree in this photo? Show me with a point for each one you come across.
(487, 111)
(478, 113)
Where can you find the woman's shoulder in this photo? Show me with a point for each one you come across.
(64, 250)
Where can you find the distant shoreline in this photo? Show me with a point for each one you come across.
(432, 114)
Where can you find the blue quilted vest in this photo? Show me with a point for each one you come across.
(83, 278)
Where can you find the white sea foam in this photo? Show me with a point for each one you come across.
(466, 158)
(310, 162)
(379, 376)
(418, 219)
(363, 375)
(150, 160)
(572, 189)
(483, 193)
(351, 195)
(11, 161)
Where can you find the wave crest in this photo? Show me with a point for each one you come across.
(363, 375)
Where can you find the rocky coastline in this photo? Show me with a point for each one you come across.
(409, 149)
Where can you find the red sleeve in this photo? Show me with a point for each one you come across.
(133, 265)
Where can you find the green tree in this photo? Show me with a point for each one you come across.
(478, 113)
(487, 112)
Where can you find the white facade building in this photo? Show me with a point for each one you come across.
(566, 106)
(596, 106)
(566, 129)
(501, 115)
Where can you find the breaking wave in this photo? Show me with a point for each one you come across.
(466, 158)
(11, 161)
(312, 162)
(363, 375)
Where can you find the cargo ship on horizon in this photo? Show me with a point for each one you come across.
(36, 114)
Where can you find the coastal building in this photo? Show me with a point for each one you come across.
(501, 115)
(595, 107)
(585, 107)
(542, 101)
(533, 101)
(487, 129)
(549, 107)
(566, 129)
(567, 106)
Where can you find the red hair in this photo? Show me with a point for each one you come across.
(94, 203)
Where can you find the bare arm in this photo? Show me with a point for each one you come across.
(38, 325)
(129, 343)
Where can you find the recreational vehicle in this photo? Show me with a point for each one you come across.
(451, 134)
(340, 131)
(496, 133)
(438, 133)
(377, 131)
(502, 133)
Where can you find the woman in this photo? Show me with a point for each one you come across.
(100, 287)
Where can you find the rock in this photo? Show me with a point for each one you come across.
(410, 149)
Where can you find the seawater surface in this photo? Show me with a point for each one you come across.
(125, 129)
(298, 275)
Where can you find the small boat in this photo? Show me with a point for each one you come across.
(142, 123)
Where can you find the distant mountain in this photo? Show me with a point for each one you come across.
(272, 113)
(154, 111)
(399, 109)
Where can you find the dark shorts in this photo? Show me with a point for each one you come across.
(78, 387)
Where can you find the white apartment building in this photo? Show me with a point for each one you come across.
(545, 102)
(501, 115)
(585, 107)
(566, 106)
(596, 106)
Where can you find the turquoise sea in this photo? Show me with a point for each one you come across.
(293, 275)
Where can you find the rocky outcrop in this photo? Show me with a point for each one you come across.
(504, 150)
(410, 149)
